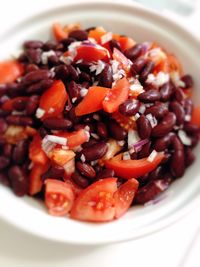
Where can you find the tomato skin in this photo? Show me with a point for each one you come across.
(124, 196)
(10, 70)
(58, 32)
(8, 105)
(126, 42)
(59, 197)
(60, 156)
(116, 96)
(53, 100)
(96, 203)
(132, 168)
(92, 101)
(91, 53)
(196, 116)
(35, 180)
(36, 154)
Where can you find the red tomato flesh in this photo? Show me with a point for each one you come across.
(196, 116)
(91, 53)
(35, 178)
(36, 154)
(10, 70)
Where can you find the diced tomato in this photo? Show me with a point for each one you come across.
(133, 168)
(60, 156)
(174, 64)
(125, 122)
(123, 61)
(30, 131)
(58, 32)
(53, 100)
(96, 34)
(90, 53)
(116, 96)
(126, 42)
(196, 116)
(188, 92)
(96, 203)
(36, 154)
(8, 105)
(124, 196)
(59, 197)
(75, 138)
(10, 70)
(35, 178)
(163, 66)
(92, 101)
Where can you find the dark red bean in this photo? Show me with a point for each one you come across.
(4, 162)
(163, 143)
(91, 142)
(3, 126)
(53, 61)
(39, 87)
(86, 170)
(34, 55)
(57, 123)
(15, 89)
(102, 130)
(158, 110)
(187, 79)
(61, 72)
(19, 120)
(166, 91)
(95, 151)
(191, 128)
(148, 68)
(23, 58)
(134, 155)
(19, 104)
(105, 77)
(42, 132)
(88, 118)
(189, 157)
(84, 66)
(138, 65)
(149, 96)
(4, 179)
(165, 126)
(72, 116)
(134, 52)
(116, 131)
(3, 99)
(178, 110)
(144, 127)
(19, 181)
(114, 44)
(3, 89)
(85, 77)
(73, 73)
(33, 44)
(195, 140)
(66, 42)
(145, 151)
(156, 174)
(80, 180)
(32, 105)
(79, 35)
(31, 67)
(4, 113)
(178, 158)
(36, 76)
(74, 92)
(106, 173)
(55, 171)
(179, 95)
(20, 152)
(130, 107)
(7, 150)
(49, 45)
(188, 106)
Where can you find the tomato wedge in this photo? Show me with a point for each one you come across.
(133, 168)
(8, 105)
(53, 100)
(123, 61)
(196, 116)
(60, 156)
(124, 196)
(58, 32)
(126, 42)
(90, 53)
(59, 197)
(92, 101)
(10, 70)
(96, 203)
(35, 178)
(96, 34)
(116, 96)
(36, 154)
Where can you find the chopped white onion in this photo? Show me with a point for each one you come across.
(142, 109)
(176, 79)
(153, 121)
(106, 38)
(137, 115)
(126, 156)
(74, 99)
(46, 55)
(188, 117)
(121, 143)
(47, 145)
(39, 113)
(94, 162)
(138, 146)
(161, 185)
(97, 67)
(83, 92)
(66, 60)
(152, 156)
(95, 136)
(159, 79)
(185, 139)
(57, 139)
(133, 138)
(82, 157)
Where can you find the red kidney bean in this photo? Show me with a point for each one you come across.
(178, 158)
(149, 96)
(138, 65)
(36, 76)
(3, 126)
(20, 152)
(134, 155)
(95, 151)
(143, 180)
(148, 68)
(19, 120)
(144, 127)
(19, 104)
(130, 107)
(91, 142)
(19, 181)
(187, 79)
(42, 132)
(79, 35)
(3, 99)
(15, 89)
(158, 110)
(191, 128)
(188, 106)
(73, 73)
(80, 180)
(32, 105)
(2, 140)
(33, 44)
(86, 170)
(53, 61)
(84, 66)
(189, 157)
(4, 179)
(4, 162)
(74, 92)
(4, 113)
(7, 150)
(134, 52)
(55, 171)
(50, 45)
(39, 87)
(106, 173)
(85, 77)
(61, 72)
(31, 67)
(116, 131)
(166, 91)
(105, 77)
(3, 89)
(34, 55)
(145, 151)
(195, 139)
(72, 116)
(178, 110)
(23, 58)
(179, 95)
(114, 44)
(156, 174)
(66, 42)
(102, 130)
(57, 123)
(165, 126)
(88, 118)
(163, 142)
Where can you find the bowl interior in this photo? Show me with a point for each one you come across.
(142, 25)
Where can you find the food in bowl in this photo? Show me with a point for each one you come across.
(93, 122)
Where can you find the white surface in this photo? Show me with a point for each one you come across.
(165, 248)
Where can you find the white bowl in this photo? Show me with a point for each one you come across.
(141, 24)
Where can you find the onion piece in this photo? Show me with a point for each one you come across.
(138, 146)
(152, 156)
(185, 139)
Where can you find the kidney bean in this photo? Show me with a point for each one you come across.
(4, 162)
(4, 179)
(3, 126)
(149, 96)
(106, 173)
(143, 180)
(195, 139)
(4, 113)
(156, 174)
(130, 107)
(19, 181)
(138, 65)
(2, 140)
(191, 128)
(19, 120)
(105, 77)
(80, 180)
(134, 155)
(148, 68)
(84, 66)
(72, 116)
(102, 130)
(19, 104)
(163, 142)
(88, 118)
(20, 152)
(23, 58)
(178, 110)
(31, 67)
(67, 41)
(85, 77)
(15, 89)
(187, 79)
(7, 150)
(188, 106)
(95, 151)
(61, 72)
(189, 156)
(158, 110)
(34, 55)
(57, 123)
(134, 52)
(145, 151)
(53, 61)
(116, 131)
(50, 45)
(177, 165)
(33, 44)
(91, 142)
(86, 170)
(74, 92)
(55, 171)
(42, 131)
(179, 95)
(114, 44)
(144, 127)
(32, 105)
(36, 76)
(3, 89)
(166, 91)
(73, 73)
(39, 87)
(79, 35)
(165, 126)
